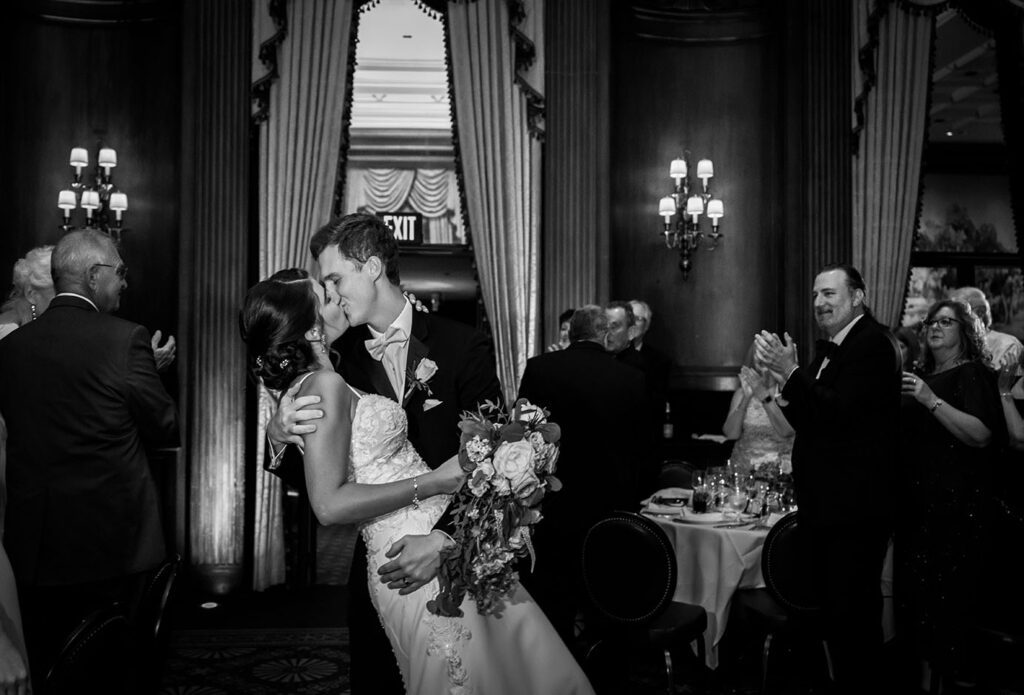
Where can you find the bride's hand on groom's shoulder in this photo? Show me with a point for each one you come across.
(287, 426)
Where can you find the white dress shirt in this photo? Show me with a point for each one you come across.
(397, 354)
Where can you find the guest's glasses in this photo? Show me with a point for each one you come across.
(121, 269)
(943, 322)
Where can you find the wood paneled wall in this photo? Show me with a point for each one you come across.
(575, 244)
(705, 82)
(215, 250)
(70, 80)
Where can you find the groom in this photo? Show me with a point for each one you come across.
(435, 367)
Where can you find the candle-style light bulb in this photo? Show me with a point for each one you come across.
(107, 160)
(118, 203)
(678, 169)
(79, 158)
(694, 207)
(716, 211)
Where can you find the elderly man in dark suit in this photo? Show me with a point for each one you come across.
(435, 367)
(845, 409)
(82, 399)
(599, 404)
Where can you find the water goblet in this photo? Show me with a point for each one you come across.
(735, 502)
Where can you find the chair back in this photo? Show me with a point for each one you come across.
(675, 473)
(149, 628)
(94, 658)
(629, 568)
(786, 569)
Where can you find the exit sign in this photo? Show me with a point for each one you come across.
(407, 226)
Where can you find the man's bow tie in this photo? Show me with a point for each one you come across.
(376, 346)
(825, 348)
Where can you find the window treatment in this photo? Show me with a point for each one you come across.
(299, 144)
(434, 193)
(496, 73)
(891, 91)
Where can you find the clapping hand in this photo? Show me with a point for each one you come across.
(1008, 371)
(917, 387)
(774, 355)
(755, 384)
(163, 354)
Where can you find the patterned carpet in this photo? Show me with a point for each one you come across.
(257, 662)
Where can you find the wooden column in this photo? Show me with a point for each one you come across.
(575, 246)
(214, 252)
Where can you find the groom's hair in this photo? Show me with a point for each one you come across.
(358, 237)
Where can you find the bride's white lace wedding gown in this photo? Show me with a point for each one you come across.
(517, 653)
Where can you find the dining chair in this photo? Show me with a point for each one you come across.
(675, 473)
(149, 627)
(788, 607)
(93, 658)
(629, 573)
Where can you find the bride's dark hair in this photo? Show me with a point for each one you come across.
(277, 314)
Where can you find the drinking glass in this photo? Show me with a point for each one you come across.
(735, 502)
(701, 499)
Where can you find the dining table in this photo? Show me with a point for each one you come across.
(715, 559)
(712, 564)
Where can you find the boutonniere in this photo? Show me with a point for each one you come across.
(417, 378)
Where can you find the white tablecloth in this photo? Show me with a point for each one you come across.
(712, 564)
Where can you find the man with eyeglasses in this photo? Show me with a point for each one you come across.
(83, 402)
(845, 408)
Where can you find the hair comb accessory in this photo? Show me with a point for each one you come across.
(284, 363)
(259, 361)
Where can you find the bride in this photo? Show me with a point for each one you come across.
(361, 468)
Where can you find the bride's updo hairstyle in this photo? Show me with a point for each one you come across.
(277, 314)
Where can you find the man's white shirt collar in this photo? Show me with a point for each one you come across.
(839, 337)
(72, 294)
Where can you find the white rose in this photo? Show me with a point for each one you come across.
(514, 460)
(425, 369)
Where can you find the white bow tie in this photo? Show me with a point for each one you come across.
(376, 346)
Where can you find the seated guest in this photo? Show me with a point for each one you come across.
(756, 423)
(1001, 347)
(563, 331)
(910, 346)
(950, 423)
(82, 519)
(598, 403)
(32, 291)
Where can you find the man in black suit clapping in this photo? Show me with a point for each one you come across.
(845, 410)
(80, 392)
(599, 404)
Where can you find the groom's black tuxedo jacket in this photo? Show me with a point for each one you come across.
(466, 376)
(83, 401)
(847, 428)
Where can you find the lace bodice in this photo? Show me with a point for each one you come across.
(759, 441)
(381, 453)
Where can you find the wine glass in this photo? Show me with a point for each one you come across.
(735, 502)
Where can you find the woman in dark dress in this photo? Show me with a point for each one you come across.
(950, 423)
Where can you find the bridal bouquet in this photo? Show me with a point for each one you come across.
(510, 461)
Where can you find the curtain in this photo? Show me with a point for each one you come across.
(434, 193)
(891, 91)
(299, 144)
(496, 77)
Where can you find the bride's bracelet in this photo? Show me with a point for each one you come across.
(416, 492)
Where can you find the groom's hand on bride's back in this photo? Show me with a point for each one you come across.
(292, 419)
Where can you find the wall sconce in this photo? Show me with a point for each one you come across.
(98, 196)
(686, 235)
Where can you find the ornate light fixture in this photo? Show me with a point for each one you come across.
(686, 234)
(97, 195)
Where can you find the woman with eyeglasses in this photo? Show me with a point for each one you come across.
(950, 423)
